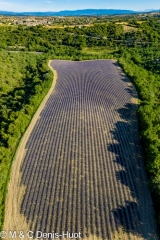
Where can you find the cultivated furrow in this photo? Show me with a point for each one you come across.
(83, 170)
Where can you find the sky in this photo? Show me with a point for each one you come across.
(58, 5)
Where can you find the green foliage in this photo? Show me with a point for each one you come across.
(25, 80)
(148, 85)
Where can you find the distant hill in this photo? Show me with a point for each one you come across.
(152, 10)
(85, 12)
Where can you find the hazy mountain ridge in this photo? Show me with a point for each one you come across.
(71, 12)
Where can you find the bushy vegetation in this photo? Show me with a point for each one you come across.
(25, 80)
(148, 85)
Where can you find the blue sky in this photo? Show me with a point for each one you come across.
(57, 5)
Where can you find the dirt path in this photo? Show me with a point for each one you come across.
(13, 219)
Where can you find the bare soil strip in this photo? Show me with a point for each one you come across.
(13, 218)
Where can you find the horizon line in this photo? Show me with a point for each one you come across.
(147, 10)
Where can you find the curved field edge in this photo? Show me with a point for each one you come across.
(19, 198)
(147, 113)
(23, 190)
(27, 120)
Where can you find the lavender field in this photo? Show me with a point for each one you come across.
(83, 169)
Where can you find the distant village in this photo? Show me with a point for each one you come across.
(64, 21)
(46, 21)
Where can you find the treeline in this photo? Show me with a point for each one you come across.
(148, 85)
(25, 80)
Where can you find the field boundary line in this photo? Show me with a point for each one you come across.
(13, 220)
